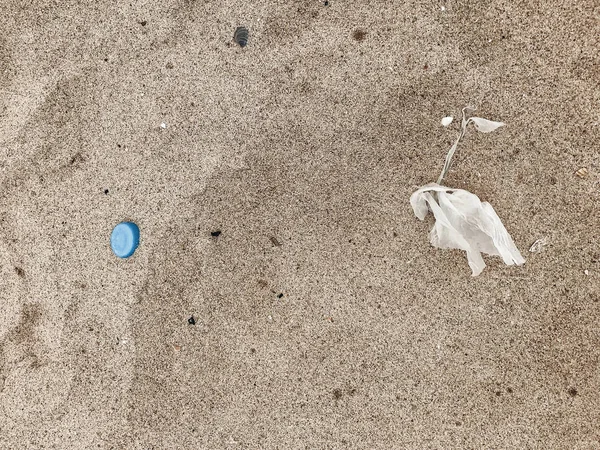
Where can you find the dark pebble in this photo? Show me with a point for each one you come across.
(192, 321)
(215, 233)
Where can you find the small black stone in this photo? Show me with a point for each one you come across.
(326, 3)
(192, 321)
(215, 233)
(143, 23)
(280, 295)
(106, 191)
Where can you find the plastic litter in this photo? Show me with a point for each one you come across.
(462, 221)
(447, 121)
(124, 239)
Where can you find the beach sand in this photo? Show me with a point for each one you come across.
(324, 319)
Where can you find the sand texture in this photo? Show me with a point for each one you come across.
(324, 319)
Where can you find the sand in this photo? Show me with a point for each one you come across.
(323, 317)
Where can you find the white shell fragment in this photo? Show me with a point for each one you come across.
(447, 121)
(538, 245)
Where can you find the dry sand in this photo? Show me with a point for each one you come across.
(315, 135)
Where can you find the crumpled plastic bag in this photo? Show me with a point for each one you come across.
(463, 222)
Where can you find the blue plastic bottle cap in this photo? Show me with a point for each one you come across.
(124, 239)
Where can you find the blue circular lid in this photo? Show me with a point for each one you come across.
(124, 239)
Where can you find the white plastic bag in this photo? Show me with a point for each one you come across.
(462, 221)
